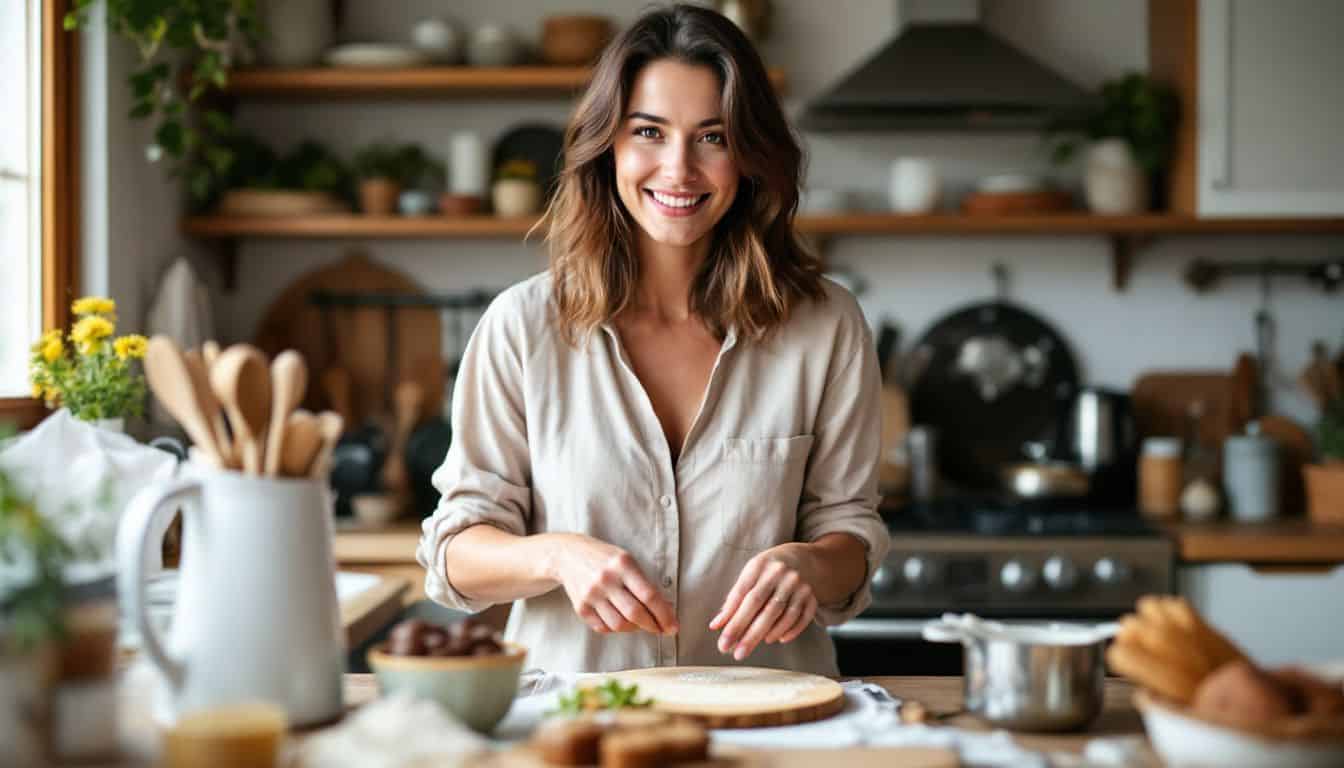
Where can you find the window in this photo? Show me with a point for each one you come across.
(37, 189)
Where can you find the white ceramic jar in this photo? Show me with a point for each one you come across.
(1113, 183)
(914, 185)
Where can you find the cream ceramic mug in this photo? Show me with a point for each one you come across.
(256, 617)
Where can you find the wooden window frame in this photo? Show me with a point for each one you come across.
(60, 188)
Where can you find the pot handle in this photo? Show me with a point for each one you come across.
(944, 631)
(132, 539)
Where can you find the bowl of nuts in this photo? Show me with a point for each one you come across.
(465, 667)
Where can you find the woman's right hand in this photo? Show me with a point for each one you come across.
(607, 589)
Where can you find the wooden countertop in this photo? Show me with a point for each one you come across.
(371, 610)
(1295, 542)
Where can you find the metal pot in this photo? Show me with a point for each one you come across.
(1029, 676)
(1043, 478)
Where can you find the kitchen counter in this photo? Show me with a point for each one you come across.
(1287, 543)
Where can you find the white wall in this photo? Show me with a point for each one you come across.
(915, 280)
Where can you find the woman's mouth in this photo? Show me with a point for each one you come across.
(676, 205)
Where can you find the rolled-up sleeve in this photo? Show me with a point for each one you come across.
(485, 478)
(840, 486)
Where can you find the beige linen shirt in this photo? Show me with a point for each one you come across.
(553, 438)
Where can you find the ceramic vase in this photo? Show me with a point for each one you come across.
(1114, 184)
(516, 197)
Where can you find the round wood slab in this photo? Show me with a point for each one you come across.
(735, 697)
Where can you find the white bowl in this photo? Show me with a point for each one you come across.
(1184, 739)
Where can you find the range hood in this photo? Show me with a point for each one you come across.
(947, 73)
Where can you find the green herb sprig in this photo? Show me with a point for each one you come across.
(609, 695)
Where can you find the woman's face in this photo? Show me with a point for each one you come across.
(674, 171)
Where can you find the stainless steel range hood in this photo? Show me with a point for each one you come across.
(941, 75)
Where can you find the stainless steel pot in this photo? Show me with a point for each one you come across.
(1029, 677)
(1043, 478)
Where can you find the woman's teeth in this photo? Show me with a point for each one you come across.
(676, 201)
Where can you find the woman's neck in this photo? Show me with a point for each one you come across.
(665, 276)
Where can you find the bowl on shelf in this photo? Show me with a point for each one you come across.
(574, 40)
(249, 201)
(478, 690)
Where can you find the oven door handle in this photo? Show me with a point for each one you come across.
(881, 629)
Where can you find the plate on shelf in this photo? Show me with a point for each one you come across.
(375, 55)
(247, 201)
(541, 144)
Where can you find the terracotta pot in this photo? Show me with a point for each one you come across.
(516, 197)
(460, 205)
(574, 40)
(1325, 492)
(378, 197)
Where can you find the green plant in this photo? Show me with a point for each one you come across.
(310, 166)
(184, 45)
(94, 377)
(1330, 430)
(609, 695)
(32, 562)
(516, 168)
(1136, 108)
(378, 161)
(407, 164)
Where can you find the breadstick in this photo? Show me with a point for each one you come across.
(1168, 645)
(1213, 642)
(1140, 666)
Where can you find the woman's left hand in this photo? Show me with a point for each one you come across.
(771, 602)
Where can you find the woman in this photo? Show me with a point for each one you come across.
(665, 447)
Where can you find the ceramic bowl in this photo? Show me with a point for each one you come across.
(1183, 738)
(376, 510)
(478, 690)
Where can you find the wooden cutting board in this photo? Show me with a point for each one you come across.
(1162, 402)
(736, 757)
(736, 697)
(356, 339)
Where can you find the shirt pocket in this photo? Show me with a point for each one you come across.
(762, 485)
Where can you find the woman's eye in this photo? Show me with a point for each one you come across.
(647, 132)
(714, 138)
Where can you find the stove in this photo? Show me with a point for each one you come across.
(1006, 560)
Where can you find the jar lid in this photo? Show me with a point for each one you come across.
(1166, 447)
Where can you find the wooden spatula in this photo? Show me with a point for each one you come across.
(406, 410)
(205, 396)
(289, 381)
(302, 443)
(330, 425)
(170, 379)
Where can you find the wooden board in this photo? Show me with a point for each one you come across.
(735, 757)
(1162, 402)
(356, 339)
(736, 697)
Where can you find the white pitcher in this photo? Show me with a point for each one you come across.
(257, 616)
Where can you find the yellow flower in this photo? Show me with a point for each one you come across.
(52, 349)
(130, 347)
(37, 391)
(94, 305)
(90, 331)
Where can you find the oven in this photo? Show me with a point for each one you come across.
(1081, 566)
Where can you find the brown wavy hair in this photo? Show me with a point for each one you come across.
(756, 270)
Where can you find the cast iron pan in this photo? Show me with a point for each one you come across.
(977, 437)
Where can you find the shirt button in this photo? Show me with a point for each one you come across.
(667, 581)
(665, 500)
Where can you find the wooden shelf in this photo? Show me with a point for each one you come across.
(1127, 234)
(334, 82)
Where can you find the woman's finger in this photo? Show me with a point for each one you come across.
(633, 611)
(809, 611)
(765, 622)
(611, 618)
(750, 606)
(745, 581)
(785, 622)
(653, 601)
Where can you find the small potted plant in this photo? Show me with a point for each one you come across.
(379, 169)
(94, 376)
(1132, 133)
(516, 191)
(422, 176)
(1325, 481)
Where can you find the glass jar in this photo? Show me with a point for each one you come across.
(1161, 477)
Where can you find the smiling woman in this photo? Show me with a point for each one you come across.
(37, 191)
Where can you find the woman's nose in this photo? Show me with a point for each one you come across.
(678, 162)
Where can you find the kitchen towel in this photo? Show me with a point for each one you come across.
(180, 310)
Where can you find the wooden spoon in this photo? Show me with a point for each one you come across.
(330, 425)
(200, 379)
(170, 379)
(289, 381)
(242, 382)
(302, 443)
(406, 411)
(210, 353)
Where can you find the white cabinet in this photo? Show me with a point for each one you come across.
(1271, 108)
(1277, 618)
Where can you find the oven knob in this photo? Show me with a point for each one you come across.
(1110, 571)
(884, 580)
(919, 573)
(1060, 573)
(1017, 576)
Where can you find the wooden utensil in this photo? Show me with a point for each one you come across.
(1319, 378)
(1162, 401)
(330, 425)
(200, 380)
(1241, 407)
(737, 697)
(242, 382)
(301, 444)
(209, 353)
(406, 412)
(289, 381)
(170, 380)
